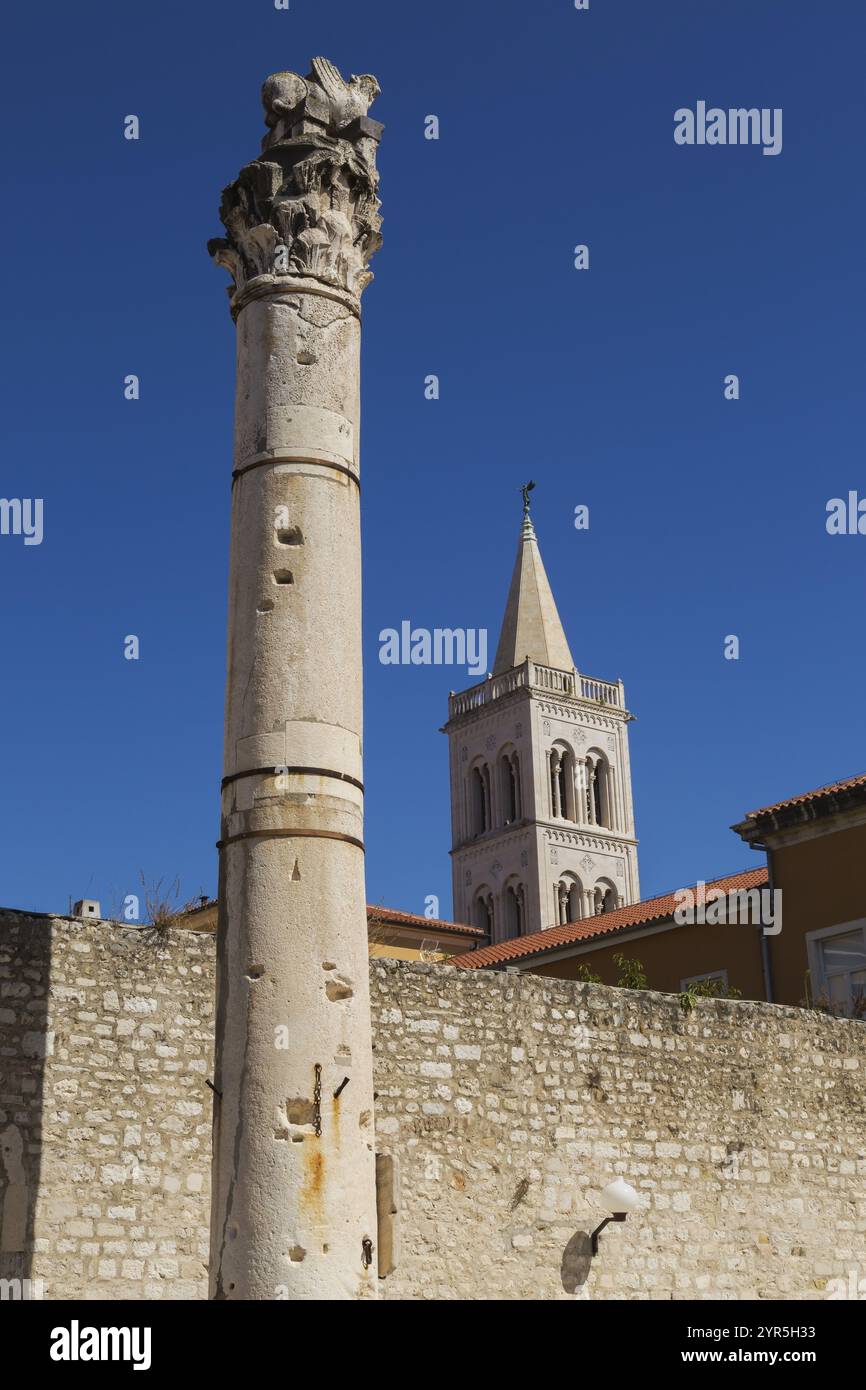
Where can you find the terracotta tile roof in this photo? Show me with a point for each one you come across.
(807, 797)
(390, 916)
(637, 915)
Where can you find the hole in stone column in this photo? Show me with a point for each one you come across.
(300, 1111)
(290, 535)
(338, 990)
(307, 358)
(296, 873)
(265, 605)
(283, 577)
(297, 1253)
(255, 972)
(328, 965)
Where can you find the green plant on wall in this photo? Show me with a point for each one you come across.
(587, 976)
(631, 972)
(707, 989)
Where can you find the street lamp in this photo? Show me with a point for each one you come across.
(619, 1198)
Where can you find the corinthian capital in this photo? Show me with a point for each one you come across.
(308, 206)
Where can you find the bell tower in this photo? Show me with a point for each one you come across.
(541, 804)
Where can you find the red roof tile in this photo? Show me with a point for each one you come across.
(389, 916)
(392, 917)
(805, 797)
(637, 915)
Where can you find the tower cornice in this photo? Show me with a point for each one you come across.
(569, 691)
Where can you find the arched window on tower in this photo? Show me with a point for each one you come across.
(514, 906)
(509, 782)
(569, 900)
(562, 793)
(479, 798)
(598, 790)
(482, 912)
(597, 780)
(604, 898)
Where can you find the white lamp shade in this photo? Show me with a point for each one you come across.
(620, 1196)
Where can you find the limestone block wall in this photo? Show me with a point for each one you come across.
(106, 1038)
(512, 1099)
(507, 1100)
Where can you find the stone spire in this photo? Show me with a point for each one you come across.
(542, 818)
(294, 1202)
(531, 626)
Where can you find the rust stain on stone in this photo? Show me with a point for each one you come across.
(314, 1175)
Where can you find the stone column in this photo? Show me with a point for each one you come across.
(555, 787)
(294, 1210)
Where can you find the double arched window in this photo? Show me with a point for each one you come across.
(582, 789)
(572, 901)
(494, 794)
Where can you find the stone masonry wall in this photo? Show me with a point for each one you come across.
(512, 1099)
(509, 1101)
(105, 1043)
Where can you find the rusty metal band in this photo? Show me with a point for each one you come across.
(304, 463)
(291, 835)
(283, 771)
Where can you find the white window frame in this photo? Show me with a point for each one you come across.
(707, 975)
(814, 949)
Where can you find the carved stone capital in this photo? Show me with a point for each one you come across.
(308, 206)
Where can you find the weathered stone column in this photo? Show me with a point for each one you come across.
(294, 1209)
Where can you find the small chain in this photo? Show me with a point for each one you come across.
(317, 1100)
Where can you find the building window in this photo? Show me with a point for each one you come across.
(604, 899)
(720, 975)
(562, 770)
(837, 958)
(479, 799)
(509, 768)
(482, 913)
(569, 901)
(513, 903)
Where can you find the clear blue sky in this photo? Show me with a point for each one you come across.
(707, 516)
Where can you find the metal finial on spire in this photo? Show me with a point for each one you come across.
(526, 489)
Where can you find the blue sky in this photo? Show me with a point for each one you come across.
(707, 515)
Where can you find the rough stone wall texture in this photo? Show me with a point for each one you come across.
(105, 1043)
(512, 1099)
(509, 1101)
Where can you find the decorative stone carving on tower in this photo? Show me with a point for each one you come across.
(553, 809)
(293, 1208)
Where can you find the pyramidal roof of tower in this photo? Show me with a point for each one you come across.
(531, 626)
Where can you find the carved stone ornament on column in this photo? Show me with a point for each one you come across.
(495, 869)
(308, 206)
(490, 741)
(554, 855)
(587, 863)
(524, 858)
(611, 743)
(580, 737)
(518, 731)
(468, 878)
(546, 728)
(464, 754)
